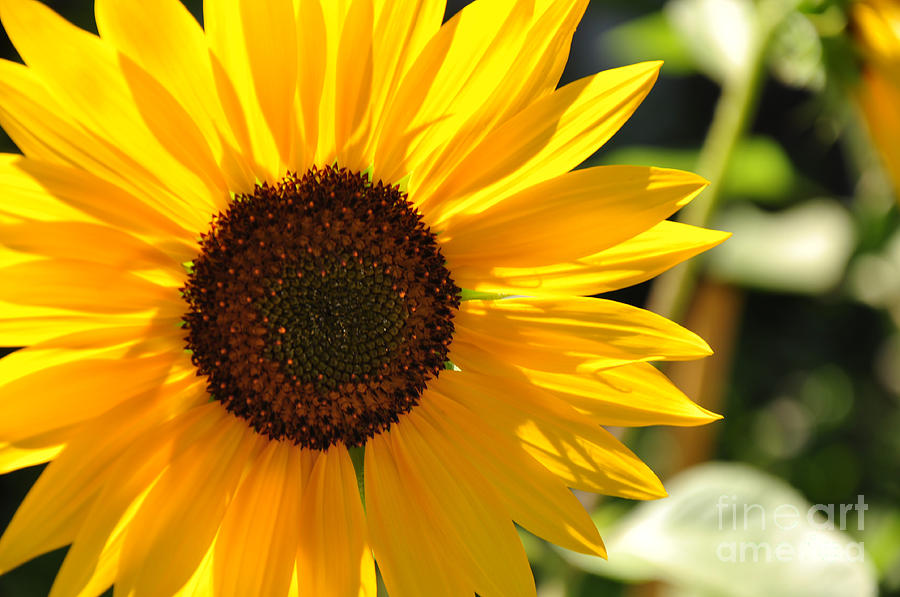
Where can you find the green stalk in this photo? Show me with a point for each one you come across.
(672, 292)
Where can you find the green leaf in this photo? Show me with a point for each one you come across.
(760, 170)
(733, 531)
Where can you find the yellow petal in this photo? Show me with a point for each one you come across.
(9, 258)
(201, 584)
(418, 550)
(569, 334)
(84, 286)
(353, 89)
(534, 72)
(334, 14)
(19, 331)
(137, 465)
(543, 141)
(401, 31)
(120, 103)
(535, 498)
(634, 261)
(32, 118)
(46, 130)
(294, 591)
(133, 338)
(21, 325)
(48, 389)
(546, 50)
(257, 543)
(453, 77)
(879, 96)
(26, 197)
(32, 451)
(235, 55)
(43, 191)
(104, 574)
(311, 64)
(631, 396)
(406, 538)
(158, 556)
(107, 567)
(334, 557)
(85, 241)
(877, 30)
(197, 180)
(54, 509)
(164, 39)
(570, 445)
(498, 565)
(878, 33)
(569, 217)
(270, 36)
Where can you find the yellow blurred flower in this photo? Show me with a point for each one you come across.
(297, 195)
(877, 26)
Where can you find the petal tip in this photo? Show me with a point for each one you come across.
(599, 550)
(704, 416)
(651, 70)
(720, 237)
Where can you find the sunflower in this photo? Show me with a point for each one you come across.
(305, 290)
(877, 27)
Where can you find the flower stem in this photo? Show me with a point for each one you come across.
(672, 292)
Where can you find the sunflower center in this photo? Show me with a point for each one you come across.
(333, 324)
(319, 307)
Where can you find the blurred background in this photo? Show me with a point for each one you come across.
(797, 490)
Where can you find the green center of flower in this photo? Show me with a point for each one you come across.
(319, 308)
(332, 322)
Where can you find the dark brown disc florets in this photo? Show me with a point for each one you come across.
(319, 308)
